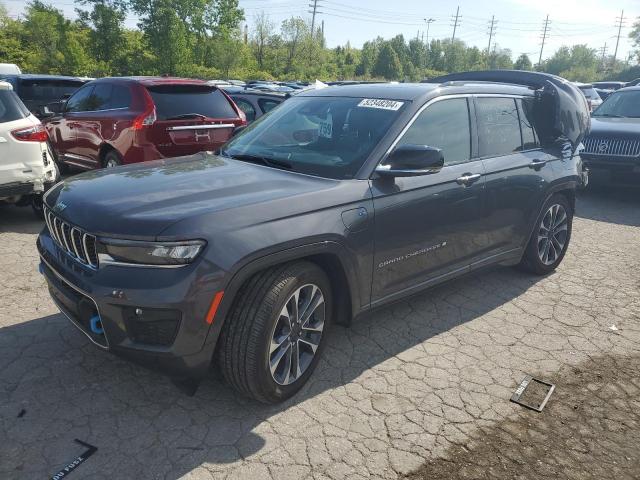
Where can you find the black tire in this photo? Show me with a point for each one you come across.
(37, 206)
(111, 159)
(531, 261)
(243, 348)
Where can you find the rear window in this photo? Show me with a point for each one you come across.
(176, 100)
(590, 93)
(11, 108)
(47, 91)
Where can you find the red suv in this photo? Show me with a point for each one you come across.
(115, 121)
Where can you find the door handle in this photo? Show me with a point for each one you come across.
(467, 179)
(538, 163)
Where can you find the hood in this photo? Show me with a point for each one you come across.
(615, 126)
(142, 200)
(560, 112)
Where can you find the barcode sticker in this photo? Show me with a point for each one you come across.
(382, 104)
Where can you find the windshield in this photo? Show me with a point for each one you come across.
(620, 104)
(324, 136)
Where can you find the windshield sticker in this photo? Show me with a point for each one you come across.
(382, 104)
(325, 128)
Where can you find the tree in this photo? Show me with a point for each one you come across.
(294, 30)
(106, 35)
(523, 63)
(634, 35)
(263, 30)
(388, 64)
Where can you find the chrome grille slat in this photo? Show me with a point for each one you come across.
(616, 147)
(75, 242)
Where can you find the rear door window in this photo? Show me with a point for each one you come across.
(81, 100)
(174, 101)
(268, 104)
(443, 125)
(100, 97)
(498, 126)
(120, 97)
(11, 108)
(246, 107)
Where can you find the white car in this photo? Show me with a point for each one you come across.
(27, 168)
(593, 99)
(9, 69)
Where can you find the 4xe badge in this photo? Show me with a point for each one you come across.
(59, 207)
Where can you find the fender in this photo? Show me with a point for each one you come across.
(553, 189)
(248, 267)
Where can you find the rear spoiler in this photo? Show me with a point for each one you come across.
(560, 112)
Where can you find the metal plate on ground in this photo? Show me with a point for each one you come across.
(543, 391)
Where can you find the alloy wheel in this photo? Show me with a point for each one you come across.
(552, 234)
(296, 335)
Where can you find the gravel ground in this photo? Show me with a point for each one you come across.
(422, 386)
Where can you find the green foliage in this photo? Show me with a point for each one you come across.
(204, 39)
(523, 63)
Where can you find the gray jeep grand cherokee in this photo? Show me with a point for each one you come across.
(337, 202)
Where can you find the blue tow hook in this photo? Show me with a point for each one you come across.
(96, 325)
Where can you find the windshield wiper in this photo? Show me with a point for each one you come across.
(186, 115)
(262, 160)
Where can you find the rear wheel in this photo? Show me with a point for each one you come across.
(37, 206)
(275, 332)
(111, 159)
(550, 238)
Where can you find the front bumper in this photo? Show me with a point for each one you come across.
(154, 317)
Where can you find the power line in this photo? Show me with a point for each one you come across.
(456, 22)
(545, 31)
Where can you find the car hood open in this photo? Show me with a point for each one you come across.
(143, 200)
(561, 110)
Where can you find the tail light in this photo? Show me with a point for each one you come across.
(36, 133)
(146, 119)
(243, 117)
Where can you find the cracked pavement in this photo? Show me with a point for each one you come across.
(405, 385)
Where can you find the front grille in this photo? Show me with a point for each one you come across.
(78, 244)
(611, 147)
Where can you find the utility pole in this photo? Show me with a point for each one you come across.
(492, 30)
(545, 32)
(603, 51)
(313, 6)
(428, 21)
(322, 31)
(620, 21)
(456, 22)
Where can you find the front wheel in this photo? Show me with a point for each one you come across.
(550, 238)
(112, 159)
(275, 332)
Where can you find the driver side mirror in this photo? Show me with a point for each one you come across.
(412, 161)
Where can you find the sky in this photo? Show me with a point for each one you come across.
(519, 23)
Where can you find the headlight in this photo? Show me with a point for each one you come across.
(160, 254)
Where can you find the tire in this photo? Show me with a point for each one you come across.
(534, 259)
(111, 159)
(245, 347)
(37, 206)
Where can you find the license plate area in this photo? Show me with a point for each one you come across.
(79, 308)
